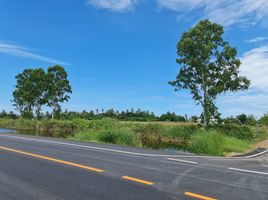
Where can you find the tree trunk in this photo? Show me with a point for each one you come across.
(205, 109)
(205, 103)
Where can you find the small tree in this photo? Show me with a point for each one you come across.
(58, 88)
(264, 119)
(209, 66)
(243, 118)
(28, 96)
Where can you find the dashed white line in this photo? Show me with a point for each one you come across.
(248, 171)
(184, 161)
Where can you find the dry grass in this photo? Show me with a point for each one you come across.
(161, 123)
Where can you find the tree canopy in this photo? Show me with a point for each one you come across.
(36, 88)
(30, 91)
(58, 87)
(208, 66)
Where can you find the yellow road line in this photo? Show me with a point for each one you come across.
(198, 196)
(137, 180)
(53, 160)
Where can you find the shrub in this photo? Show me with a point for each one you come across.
(183, 132)
(158, 136)
(103, 124)
(150, 135)
(264, 119)
(121, 136)
(238, 131)
(215, 143)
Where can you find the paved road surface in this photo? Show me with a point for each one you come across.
(55, 169)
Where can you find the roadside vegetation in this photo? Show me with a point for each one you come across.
(213, 140)
(209, 67)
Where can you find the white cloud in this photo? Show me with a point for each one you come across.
(19, 51)
(255, 67)
(257, 39)
(225, 12)
(113, 5)
(254, 101)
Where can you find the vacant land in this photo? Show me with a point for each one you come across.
(217, 140)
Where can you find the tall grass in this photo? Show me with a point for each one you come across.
(217, 144)
(215, 140)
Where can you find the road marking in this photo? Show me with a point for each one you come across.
(184, 161)
(249, 171)
(100, 148)
(198, 196)
(137, 180)
(53, 160)
(257, 154)
(123, 152)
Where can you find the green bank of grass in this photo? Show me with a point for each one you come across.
(216, 140)
(217, 144)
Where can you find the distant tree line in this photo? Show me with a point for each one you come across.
(139, 115)
(128, 115)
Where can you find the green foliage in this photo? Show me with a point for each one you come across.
(217, 144)
(214, 140)
(237, 131)
(29, 93)
(172, 117)
(183, 132)
(122, 136)
(264, 119)
(158, 136)
(242, 119)
(58, 87)
(36, 88)
(209, 66)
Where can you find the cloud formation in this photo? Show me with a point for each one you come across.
(225, 12)
(254, 101)
(113, 5)
(255, 67)
(257, 39)
(19, 51)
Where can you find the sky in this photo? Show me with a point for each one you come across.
(121, 54)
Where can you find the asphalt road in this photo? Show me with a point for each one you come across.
(57, 169)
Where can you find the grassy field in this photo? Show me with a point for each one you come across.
(215, 140)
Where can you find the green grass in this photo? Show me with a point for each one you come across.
(217, 144)
(216, 140)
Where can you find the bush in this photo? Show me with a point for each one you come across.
(238, 131)
(121, 136)
(183, 132)
(215, 143)
(85, 136)
(103, 124)
(264, 119)
(159, 137)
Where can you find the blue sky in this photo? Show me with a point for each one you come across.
(121, 53)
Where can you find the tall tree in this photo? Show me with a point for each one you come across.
(58, 88)
(28, 96)
(208, 66)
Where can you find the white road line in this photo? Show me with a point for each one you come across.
(249, 171)
(258, 154)
(184, 161)
(89, 147)
(119, 151)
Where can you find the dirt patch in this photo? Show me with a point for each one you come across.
(262, 144)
